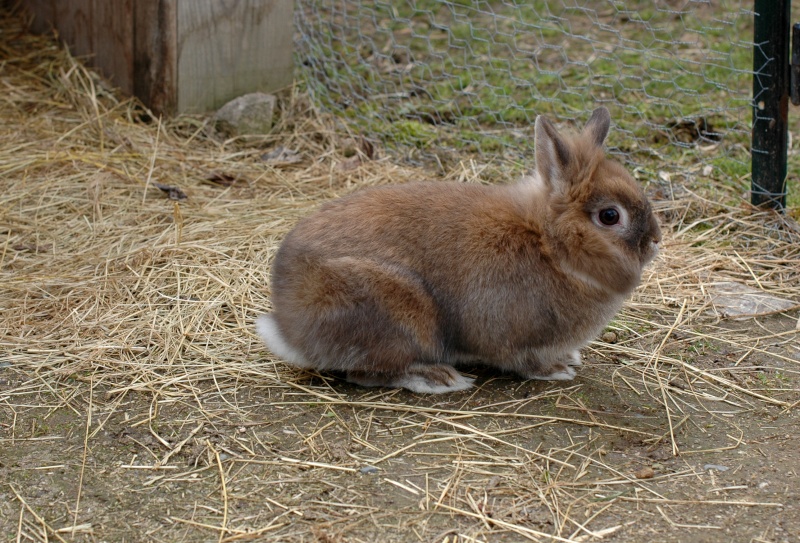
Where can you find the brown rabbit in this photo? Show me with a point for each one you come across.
(395, 284)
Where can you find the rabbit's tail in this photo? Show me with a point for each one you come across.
(268, 329)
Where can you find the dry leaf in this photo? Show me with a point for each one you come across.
(350, 164)
(173, 193)
(221, 179)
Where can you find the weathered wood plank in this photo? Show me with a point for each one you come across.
(228, 48)
(74, 22)
(112, 36)
(177, 55)
(42, 13)
(155, 54)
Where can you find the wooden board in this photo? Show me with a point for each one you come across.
(177, 55)
(227, 47)
(42, 13)
(113, 34)
(74, 22)
(155, 63)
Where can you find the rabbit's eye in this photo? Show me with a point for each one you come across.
(608, 217)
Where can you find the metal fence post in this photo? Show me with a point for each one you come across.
(770, 102)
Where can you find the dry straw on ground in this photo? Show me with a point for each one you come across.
(128, 308)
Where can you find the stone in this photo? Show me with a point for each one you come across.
(610, 337)
(247, 115)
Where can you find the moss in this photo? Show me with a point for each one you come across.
(411, 132)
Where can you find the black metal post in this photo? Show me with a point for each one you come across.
(770, 102)
(794, 83)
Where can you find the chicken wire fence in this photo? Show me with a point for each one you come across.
(452, 77)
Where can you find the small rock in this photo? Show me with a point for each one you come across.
(250, 114)
(736, 300)
(645, 473)
(281, 156)
(715, 467)
(610, 337)
(368, 470)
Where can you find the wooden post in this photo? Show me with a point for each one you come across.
(155, 61)
(75, 26)
(112, 41)
(177, 56)
(42, 11)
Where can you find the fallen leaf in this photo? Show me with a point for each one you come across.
(350, 164)
(693, 130)
(736, 300)
(366, 148)
(358, 146)
(221, 179)
(173, 193)
(32, 248)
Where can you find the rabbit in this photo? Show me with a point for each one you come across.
(394, 285)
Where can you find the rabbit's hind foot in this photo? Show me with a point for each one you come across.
(422, 378)
(561, 370)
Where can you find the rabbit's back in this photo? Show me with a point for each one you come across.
(419, 223)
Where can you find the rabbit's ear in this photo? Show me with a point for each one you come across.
(597, 126)
(553, 154)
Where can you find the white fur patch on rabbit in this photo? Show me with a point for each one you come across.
(271, 335)
(423, 378)
(395, 284)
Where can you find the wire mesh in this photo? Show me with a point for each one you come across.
(453, 77)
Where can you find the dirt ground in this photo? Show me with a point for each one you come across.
(321, 461)
(136, 403)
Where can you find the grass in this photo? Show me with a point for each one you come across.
(480, 71)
